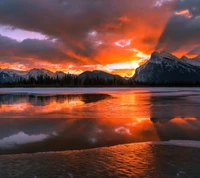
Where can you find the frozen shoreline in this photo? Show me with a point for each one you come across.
(182, 143)
(176, 143)
(88, 90)
(58, 90)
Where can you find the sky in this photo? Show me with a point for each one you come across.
(116, 36)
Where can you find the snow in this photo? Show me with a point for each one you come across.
(163, 55)
(46, 91)
(59, 74)
(18, 72)
(184, 143)
(160, 57)
(194, 61)
(35, 73)
(165, 62)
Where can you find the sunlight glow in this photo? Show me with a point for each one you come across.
(185, 13)
(123, 43)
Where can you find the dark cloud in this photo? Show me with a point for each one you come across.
(149, 40)
(195, 51)
(45, 50)
(70, 20)
(182, 28)
(82, 28)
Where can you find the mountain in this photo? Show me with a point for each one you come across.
(98, 74)
(18, 72)
(193, 61)
(166, 68)
(60, 75)
(126, 78)
(100, 78)
(36, 73)
(95, 77)
(9, 76)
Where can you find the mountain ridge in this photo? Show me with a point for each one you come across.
(162, 67)
(166, 68)
(14, 76)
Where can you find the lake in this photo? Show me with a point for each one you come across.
(127, 131)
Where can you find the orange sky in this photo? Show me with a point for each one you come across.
(74, 36)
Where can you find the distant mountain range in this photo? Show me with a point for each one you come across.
(99, 74)
(161, 68)
(9, 76)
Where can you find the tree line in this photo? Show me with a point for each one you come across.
(76, 81)
(67, 81)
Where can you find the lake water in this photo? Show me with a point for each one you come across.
(50, 119)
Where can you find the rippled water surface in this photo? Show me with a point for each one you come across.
(43, 120)
(136, 160)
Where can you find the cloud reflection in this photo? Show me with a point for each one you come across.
(20, 139)
(126, 117)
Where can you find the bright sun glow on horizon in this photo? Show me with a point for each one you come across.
(75, 36)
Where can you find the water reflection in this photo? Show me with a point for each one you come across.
(32, 123)
(33, 135)
(165, 107)
(23, 105)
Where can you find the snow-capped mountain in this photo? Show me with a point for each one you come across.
(193, 61)
(18, 72)
(35, 73)
(164, 67)
(60, 75)
(98, 74)
(9, 76)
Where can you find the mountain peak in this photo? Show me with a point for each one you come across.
(162, 54)
(97, 71)
(164, 67)
(184, 58)
(40, 69)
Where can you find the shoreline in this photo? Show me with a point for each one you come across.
(175, 143)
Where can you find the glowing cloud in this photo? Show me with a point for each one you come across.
(94, 34)
(123, 43)
(185, 13)
(124, 65)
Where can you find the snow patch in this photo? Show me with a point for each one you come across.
(184, 143)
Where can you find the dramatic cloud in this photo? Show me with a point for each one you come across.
(45, 50)
(195, 51)
(181, 34)
(106, 33)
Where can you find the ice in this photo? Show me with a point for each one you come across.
(59, 90)
(46, 91)
(184, 143)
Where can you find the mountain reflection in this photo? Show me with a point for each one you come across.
(43, 100)
(37, 123)
(37, 105)
(166, 107)
(38, 135)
